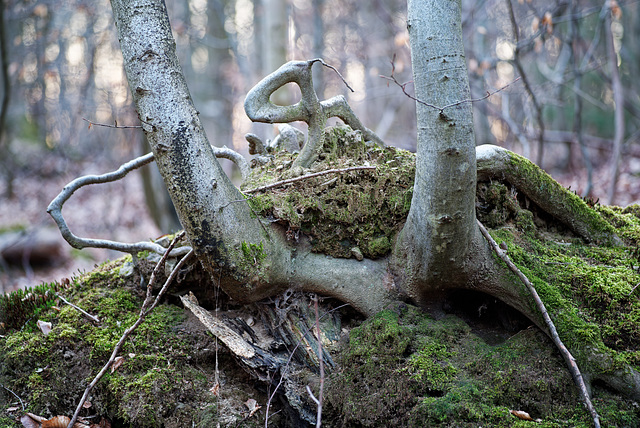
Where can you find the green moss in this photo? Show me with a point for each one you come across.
(363, 209)
(403, 368)
(149, 389)
(523, 172)
(589, 292)
(431, 365)
(253, 253)
(21, 309)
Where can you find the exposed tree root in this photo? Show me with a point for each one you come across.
(497, 163)
(309, 109)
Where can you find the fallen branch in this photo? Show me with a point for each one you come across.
(147, 307)
(304, 177)
(571, 362)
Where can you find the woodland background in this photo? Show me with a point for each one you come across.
(62, 69)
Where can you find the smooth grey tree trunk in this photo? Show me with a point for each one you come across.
(203, 195)
(440, 246)
(441, 223)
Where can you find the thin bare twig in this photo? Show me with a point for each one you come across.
(403, 86)
(115, 125)
(85, 313)
(21, 403)
(321, 61)
(527, 86)
(305, 177)
(146, 308)
(571, 362)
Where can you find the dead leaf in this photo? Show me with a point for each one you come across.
(28, 422)
(117, 363)
(45, 327)
(60, 422)
(521, 414)
(86, 404)
(253, 406)
(215, 389)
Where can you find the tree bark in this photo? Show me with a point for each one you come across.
(441, 223)
(206, 201)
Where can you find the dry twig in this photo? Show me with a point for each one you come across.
(403, 86)
(82, 311)
(571, 362)
(115, 125)
(304, 177)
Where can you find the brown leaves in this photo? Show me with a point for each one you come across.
(253, 406)
(29, 420)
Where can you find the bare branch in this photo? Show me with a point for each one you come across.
(403, 86)
(55, 210)
(321, 61)
(146, 308)
(571, 362)
(527, 86)
(304, 177)
(235, 157)
(115, 125)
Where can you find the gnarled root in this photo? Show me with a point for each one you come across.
(497, 163)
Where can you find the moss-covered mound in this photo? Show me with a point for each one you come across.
(169, 365)
(402, 368)
(363, 209)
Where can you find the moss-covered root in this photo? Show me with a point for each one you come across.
(548, 194)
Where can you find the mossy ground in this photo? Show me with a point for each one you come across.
(403, 368)
(400, 368)
(169, 362)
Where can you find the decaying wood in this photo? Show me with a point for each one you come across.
(282, 349)
(230, 338)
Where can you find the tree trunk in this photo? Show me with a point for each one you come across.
(441, 224)
(440, 246)
(219, 225)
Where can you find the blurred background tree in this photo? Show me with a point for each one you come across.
(575, 109)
